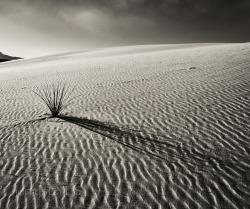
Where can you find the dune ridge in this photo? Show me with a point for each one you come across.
(157, 128)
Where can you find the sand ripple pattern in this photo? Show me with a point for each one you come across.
(159, 129)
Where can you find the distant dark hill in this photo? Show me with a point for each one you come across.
(5, 58)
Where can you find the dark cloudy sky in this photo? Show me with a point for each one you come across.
(31, 28)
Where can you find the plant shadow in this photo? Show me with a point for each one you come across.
(130, 138)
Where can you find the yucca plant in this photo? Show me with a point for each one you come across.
(56, 97)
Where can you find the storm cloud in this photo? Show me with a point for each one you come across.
(37, 28)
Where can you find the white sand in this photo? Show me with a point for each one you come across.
(157, 127)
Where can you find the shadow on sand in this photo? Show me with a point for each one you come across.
(129, 138)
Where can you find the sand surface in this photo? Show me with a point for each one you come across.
(155, 127)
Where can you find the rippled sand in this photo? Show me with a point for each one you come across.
(155, 127)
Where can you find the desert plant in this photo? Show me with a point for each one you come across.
(56, 96)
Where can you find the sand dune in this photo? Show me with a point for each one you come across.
(155, 127)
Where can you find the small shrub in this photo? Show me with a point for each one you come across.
(56, 97)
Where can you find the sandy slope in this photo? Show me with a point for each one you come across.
(156, 127)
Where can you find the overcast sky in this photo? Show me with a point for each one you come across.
(31, 28)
